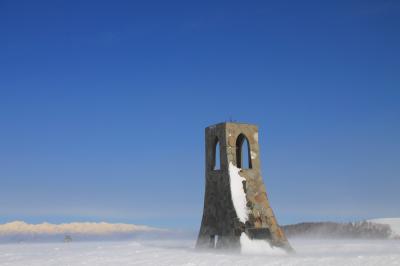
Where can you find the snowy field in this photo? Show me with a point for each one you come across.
(180, 252)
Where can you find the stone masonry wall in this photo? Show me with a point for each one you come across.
(219, 216)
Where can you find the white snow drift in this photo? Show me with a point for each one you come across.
(253, 246)
(179, 253)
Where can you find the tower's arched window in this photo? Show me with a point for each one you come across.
(217, 155)
(243, 159)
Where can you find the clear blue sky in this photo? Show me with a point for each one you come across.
(103, 106)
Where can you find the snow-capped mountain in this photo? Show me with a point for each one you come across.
(22, 231)
(19, 227)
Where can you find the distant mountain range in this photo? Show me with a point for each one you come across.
(385, 228)
(18, 231)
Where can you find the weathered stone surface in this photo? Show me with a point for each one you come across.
(219, 215)
(231, 141)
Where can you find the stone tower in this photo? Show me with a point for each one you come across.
(236, 204)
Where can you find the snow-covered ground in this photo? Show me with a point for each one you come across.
(181, 252)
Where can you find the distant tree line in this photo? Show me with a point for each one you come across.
(363, 230)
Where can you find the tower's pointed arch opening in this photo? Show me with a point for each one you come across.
(243, 152)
